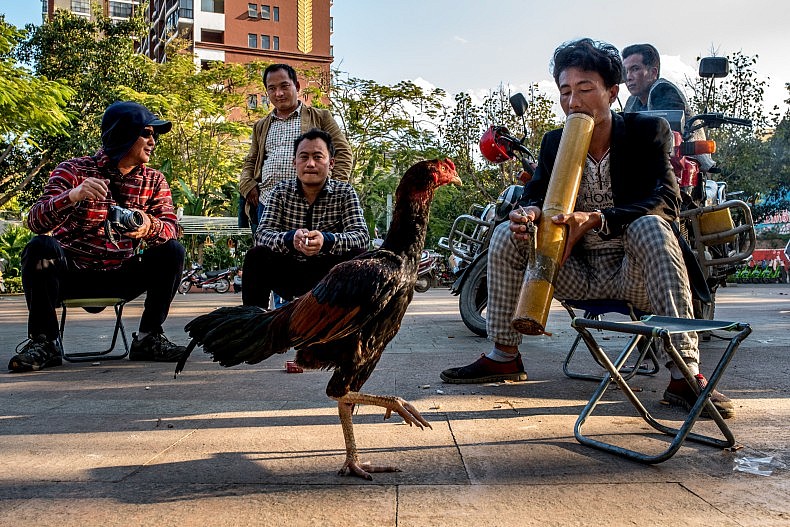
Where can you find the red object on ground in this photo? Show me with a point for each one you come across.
(291, 367)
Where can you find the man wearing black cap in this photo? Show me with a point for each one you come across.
(93, 251)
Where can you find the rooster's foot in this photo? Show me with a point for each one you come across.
(353, 467)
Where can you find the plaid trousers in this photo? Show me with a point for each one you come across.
(648, 272)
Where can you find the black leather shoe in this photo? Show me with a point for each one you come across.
(486, 370)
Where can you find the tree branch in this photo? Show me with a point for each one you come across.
(5, 198)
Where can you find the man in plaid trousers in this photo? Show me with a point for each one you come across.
(621, 243)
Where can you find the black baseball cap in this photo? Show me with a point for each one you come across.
(122, 123)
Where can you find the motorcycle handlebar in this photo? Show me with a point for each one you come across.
(715, 119)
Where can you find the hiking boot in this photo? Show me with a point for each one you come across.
(679, 393)
(155, 347)
(486, 370)
(36, 354)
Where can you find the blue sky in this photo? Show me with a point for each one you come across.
(473, 46)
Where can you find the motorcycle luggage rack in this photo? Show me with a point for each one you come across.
(704, 240)
(470, 234)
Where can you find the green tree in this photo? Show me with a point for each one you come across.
(742, 152)
(96, 59)
(30, 105)
(12, 240)
(777, 198)
(389, 128)
(202, 155)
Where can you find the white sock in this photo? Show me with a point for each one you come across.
(498, 355)
(674, 371)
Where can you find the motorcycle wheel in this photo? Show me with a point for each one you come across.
(223, 285)
(184, 286)
(422, 284)
(473, 299)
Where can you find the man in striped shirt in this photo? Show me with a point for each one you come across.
(83, 251)
(309, 224)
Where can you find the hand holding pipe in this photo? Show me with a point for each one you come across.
(537, 289)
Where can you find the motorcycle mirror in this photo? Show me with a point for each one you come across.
(519, 104)
(714, 67)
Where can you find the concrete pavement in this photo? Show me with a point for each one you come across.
(123, 443)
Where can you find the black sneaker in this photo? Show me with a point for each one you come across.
(679, 393)
(486, 370)
(36, 354)
(155, 347)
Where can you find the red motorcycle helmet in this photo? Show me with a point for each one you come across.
(492, 147)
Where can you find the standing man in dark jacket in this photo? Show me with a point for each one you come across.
(620, 242)
(270, 159)
(87, 255)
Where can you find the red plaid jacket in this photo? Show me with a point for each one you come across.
(79, 227)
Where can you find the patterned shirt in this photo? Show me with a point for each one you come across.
(336, 213)
(80, 227)
(278, 165)
(595, 193)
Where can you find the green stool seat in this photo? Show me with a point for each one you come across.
(95, 305)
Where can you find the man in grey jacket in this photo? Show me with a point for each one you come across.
(650, 92)
(270, 159)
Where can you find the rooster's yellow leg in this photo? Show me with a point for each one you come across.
(345, 407)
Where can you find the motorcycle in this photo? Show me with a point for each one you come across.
(470, 234)
(432, 272)
(742, 274)
(219, 281)
(425, 271)
(719, 230)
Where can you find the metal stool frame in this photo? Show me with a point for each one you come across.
(117, 304)
(660, 327)
(595, 309)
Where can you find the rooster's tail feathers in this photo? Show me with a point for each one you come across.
(232, 335)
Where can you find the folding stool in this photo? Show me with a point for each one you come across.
(95, 305)
(660, 327)
(595, 309)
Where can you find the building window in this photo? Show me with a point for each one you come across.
(120, 10)
(276, 43)
(252, 101)
(252, 40)
(214, 37)
(265, 12)
(212, 6)
(252, 10)
(331, 51)
(276, 14)
(81, 6)
(265, 42)
(186, 9)
(331, 23)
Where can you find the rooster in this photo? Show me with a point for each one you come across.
(348, 318)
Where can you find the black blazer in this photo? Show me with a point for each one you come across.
(643, 181)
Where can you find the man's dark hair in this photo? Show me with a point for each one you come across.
(274, 67)
(589, 55)
(316, 133)
(650, 57)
